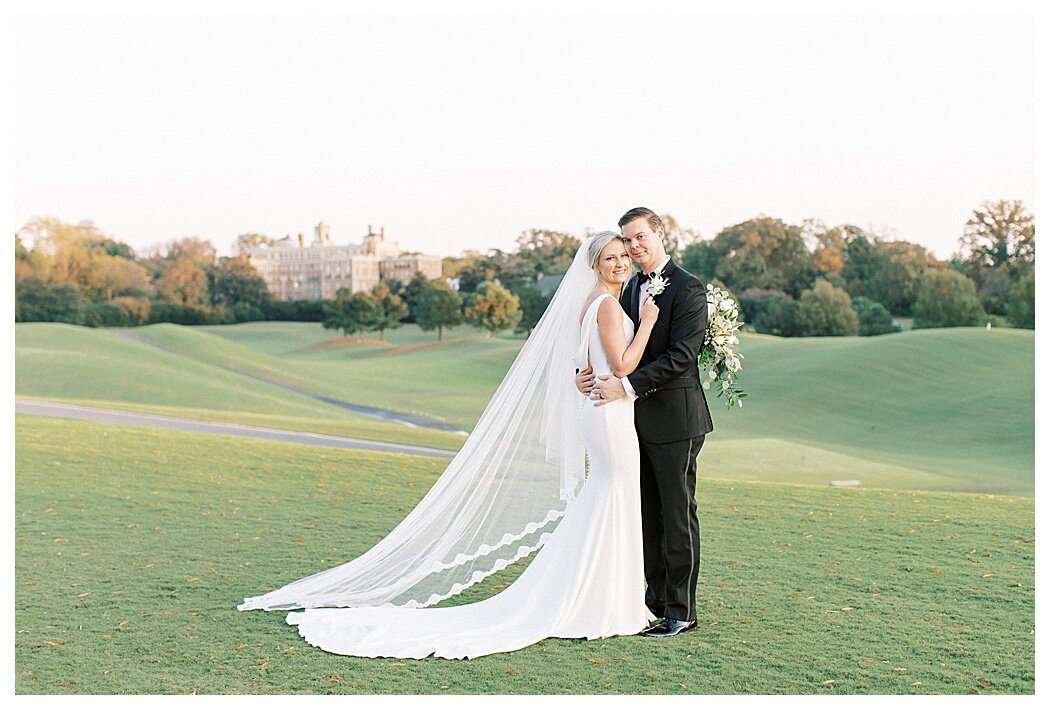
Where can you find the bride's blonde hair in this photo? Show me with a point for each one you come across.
(598, 242)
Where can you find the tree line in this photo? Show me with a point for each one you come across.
(811, 279)
(74, 273)
(496, 292)
(790, 280)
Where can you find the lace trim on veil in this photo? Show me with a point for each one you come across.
(500, 564)
(507, 539)
(479, 575)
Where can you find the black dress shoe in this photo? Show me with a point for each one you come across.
(669, 627)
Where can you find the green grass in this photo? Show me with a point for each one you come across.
(59, 361)
(133, 547)
(89, 367)
(285, 339)
(945, 409)
(450, 381)
(955, 402)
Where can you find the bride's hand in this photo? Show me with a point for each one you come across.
(650, 310)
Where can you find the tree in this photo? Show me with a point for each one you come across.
(133, 311)
(701, 259)
(111, 247)
(894, 284)
(826, 310)
(200, 251)
(547, 251)
(413, 292)
(474, 272)
(885, 272)
(1020, 305)
(763, 253)
(111, 276)
(755, 301)
(946, 299)
(307, 310)
(235, 282)
(79, 255)
(999, 233)
(391, 309)
(438, 306)
(993, 287)
(780, 317)
(533, 304)
(863, 262)
(38, 301)
(184, 282)
(245, 242)
(828, 245)
(873, 318)
(493, 308)
(453, 266)
(511, 271)
(121, 311)
(66, 247)
(24, 267)
(351, 312)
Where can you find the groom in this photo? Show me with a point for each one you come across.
(670, 415)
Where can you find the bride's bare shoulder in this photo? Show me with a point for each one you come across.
(610, 311)
(588, 301)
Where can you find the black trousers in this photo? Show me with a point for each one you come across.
(670, 529)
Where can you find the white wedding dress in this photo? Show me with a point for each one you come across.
(586, 581)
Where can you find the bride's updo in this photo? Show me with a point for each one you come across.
(598, 242)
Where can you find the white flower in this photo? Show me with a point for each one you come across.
(719, 360)
(657, 284)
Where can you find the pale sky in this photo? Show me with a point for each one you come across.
(461, 132)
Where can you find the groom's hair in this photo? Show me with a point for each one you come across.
(651, 217)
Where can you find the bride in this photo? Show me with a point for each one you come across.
(543, 471)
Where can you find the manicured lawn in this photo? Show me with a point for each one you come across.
(133, 547)
(65, 361)
(943, 409)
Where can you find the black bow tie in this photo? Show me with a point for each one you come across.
(643, 277)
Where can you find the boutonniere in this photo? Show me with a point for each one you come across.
(657, 284)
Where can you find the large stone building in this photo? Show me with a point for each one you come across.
(403, 268)
(294, 270)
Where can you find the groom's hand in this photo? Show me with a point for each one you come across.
(585, 381)
(608, 389)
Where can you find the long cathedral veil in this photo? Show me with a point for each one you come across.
(500, 497)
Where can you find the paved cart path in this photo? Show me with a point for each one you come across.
(157, 421)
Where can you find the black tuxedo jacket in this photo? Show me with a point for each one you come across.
(671, 405)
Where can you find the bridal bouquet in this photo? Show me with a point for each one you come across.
(719, 361)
